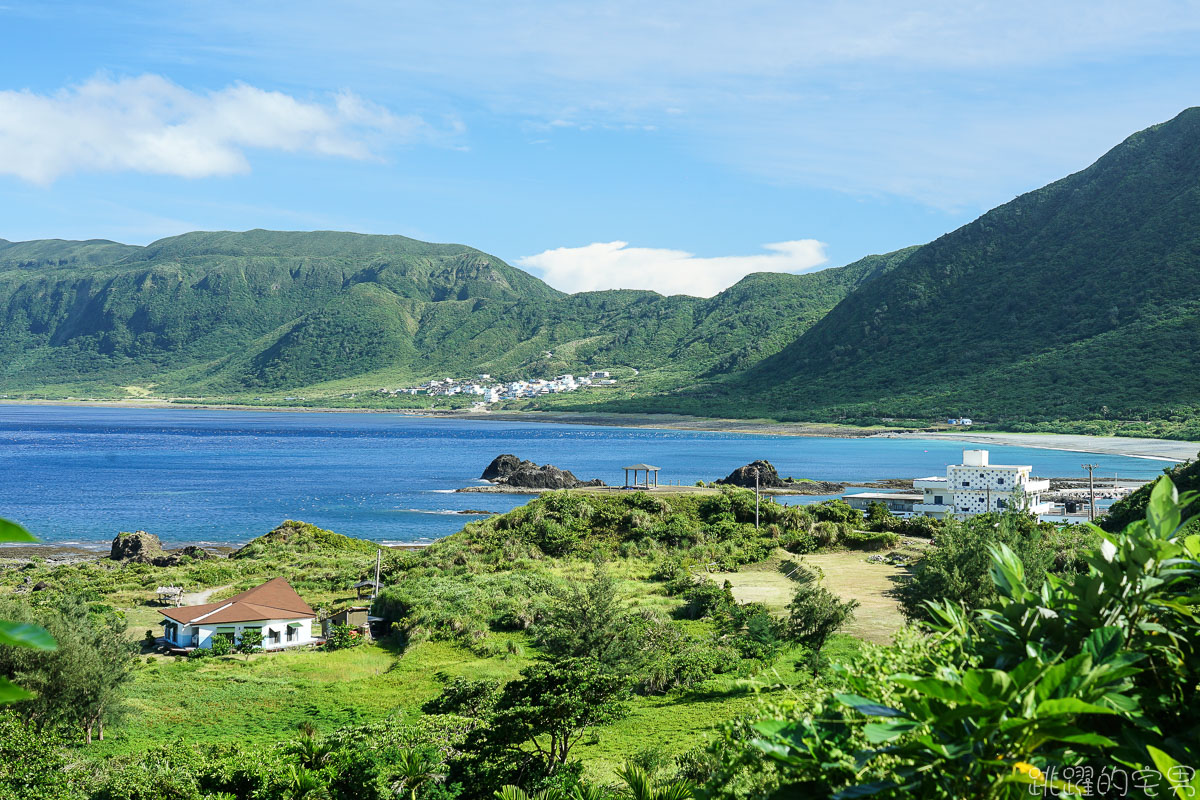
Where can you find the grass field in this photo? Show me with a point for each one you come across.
(266, 697)
(846, 573)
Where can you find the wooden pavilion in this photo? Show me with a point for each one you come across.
(645, 483)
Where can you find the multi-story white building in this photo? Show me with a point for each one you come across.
(976, 487)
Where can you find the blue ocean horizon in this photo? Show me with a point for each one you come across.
(77, 476)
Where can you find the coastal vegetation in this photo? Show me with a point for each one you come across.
(595, 643)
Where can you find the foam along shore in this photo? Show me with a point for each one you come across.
(1158, 449)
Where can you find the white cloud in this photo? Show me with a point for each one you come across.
(149, 124)
(616, 265)
(957, 105)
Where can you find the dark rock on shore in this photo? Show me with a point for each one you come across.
(145, 548)
(137, 546)
(502, 466)
(768, 477)
(508, 470)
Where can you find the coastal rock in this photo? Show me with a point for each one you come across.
(197, 553)
(502, 466)
(508, 470)
(768, 477)
(138, 546)
(145, 548)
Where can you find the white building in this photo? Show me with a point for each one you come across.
(976, 487)
(273, 608)
(899, 503)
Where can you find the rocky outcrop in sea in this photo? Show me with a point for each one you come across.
(508, 470)
(768, 477)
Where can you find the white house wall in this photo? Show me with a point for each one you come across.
(202, 634)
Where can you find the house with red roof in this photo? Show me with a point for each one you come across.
(273, 608)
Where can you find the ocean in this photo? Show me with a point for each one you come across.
(79, 475)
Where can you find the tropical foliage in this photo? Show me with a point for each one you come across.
(1053, 683)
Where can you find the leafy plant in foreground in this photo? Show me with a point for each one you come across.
(1097, 670)
(19, 634)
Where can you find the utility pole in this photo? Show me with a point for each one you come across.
(1091, 491)
(756, 496)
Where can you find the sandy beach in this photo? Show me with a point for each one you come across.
(1160, 449)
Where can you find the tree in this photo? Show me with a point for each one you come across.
(589, 621)
(33, 762)
(956, 567)
(19, 634)
(1011, 698)
(548, 710)
(414, 768)
(816, 614)
(465, 697)
(220, 644)
(342, 636)
(252, 640)
(82, 681)
(881, 518)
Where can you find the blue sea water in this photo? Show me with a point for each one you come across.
(79, 475)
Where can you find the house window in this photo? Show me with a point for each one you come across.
(291, 634)
(1000, 481)
(1001, 503)
(966, 483)
(273, 636)
(937, 499)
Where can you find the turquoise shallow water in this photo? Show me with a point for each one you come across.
(79, 475)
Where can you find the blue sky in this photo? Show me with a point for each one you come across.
(669, 145)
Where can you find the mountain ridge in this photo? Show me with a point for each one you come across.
(1076, 301)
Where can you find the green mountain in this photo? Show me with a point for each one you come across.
(1080, 300)
(269, 311)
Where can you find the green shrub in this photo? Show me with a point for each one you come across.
(867, 540)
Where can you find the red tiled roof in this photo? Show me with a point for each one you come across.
(275, 599)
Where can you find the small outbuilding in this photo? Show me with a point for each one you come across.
(645, 482)
(357, 617)
(368, 588)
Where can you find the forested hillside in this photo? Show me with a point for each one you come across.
(1078, 300)
(266, 311)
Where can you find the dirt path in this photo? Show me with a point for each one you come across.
(201, 597)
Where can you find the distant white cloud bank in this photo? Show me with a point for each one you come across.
(616, 265)
(149, 124)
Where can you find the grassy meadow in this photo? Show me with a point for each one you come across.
(473, 606)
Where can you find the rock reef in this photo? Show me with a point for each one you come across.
(768, 477)
(508, 470)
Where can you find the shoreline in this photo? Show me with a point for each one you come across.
(1167, 450)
